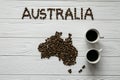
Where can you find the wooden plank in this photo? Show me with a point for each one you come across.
(19, 39)
(28, 46)
(74, 0)
(29, 65)
(101, 11)
(108, 29)
(42, 77)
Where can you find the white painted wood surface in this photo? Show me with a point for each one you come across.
(19, 39)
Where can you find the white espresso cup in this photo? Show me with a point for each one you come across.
(93, 56)
(92, 35)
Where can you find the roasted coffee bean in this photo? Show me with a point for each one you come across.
(80, 71)
(56, 46)
(70, 71)
(83, 67)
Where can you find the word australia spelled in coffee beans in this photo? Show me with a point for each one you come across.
(56, 46)
(58, 13)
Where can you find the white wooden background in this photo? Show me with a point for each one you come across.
(19, 39)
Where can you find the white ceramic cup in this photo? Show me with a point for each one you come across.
(90, 34)
(90, 56)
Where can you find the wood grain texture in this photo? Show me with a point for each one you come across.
(29, 28)
(33, 65)
(19, 39)
(75, 0)
(39, 77)
(28, 46)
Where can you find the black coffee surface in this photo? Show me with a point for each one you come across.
(91, 35)
(92, 55)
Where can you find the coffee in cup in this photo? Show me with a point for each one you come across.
(93, 56)
(92, 35)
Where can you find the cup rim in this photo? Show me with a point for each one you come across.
(98, 37)
(96, 61)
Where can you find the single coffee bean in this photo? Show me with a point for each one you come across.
(83, 67)
(70, 71)
(80, 71)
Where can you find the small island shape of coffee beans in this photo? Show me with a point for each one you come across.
(56, 46)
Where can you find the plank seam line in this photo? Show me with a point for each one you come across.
(60, 75)
(58, 20)
(63, 37)
(65, 0)
(39, 56)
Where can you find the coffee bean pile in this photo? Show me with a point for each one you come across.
(56, 46)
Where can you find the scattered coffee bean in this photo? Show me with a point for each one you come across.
(56, 46)
(83, 67)
(70, 71)
(80, 71)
